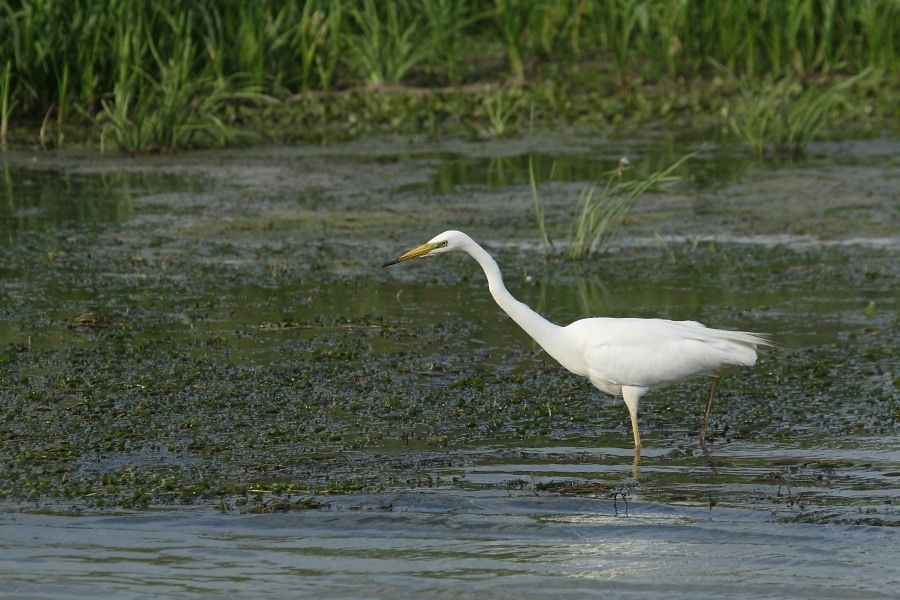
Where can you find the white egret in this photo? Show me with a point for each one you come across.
(622, 357)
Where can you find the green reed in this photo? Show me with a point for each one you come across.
(600, 212)
(6, 104)
(388, 40)
(447, 19)
(602, 208)
(318, 41)
(68, 54)
(538, 207)
(780, 118)
(502, 109)
(162, 103)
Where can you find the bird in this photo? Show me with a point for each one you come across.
(622, 357)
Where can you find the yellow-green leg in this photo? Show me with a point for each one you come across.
(632, 396)
(635, 431)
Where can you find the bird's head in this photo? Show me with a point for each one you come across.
(444, 242)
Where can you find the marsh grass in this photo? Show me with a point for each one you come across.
(390, 39)
(62, 103)
(780, 118)
(447, 19)
(157, 118)
(600, 211)
(599, 215)
(318, 39)
(174, 109)
(513, 18)
(6, 104)
(83, 57)
(538, 208)
(621, 25)
(503, 109)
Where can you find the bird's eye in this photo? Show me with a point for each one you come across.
(441, 244)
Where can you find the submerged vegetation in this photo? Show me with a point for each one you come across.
(142, 75)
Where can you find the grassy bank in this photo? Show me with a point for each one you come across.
(172, 73)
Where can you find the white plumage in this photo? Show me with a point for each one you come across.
(656, 352)
(622, 357)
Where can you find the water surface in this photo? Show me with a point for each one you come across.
(187, 342)
(450, 544)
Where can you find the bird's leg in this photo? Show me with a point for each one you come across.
(632, 395)
(636, 463)
(635, 432)
(713, 384)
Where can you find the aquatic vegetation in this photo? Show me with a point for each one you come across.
(389, 39)
(502, 108)
(538, 207)
(512, 18)
(69, 57)
(172, 109)
(620, 26)
(782, 118)
(447, 20)
(6, 107)
(319, 42)
(598, 215)
(170, 113)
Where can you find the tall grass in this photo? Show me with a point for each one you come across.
(166, 105)
(781, 118)
(169, 113)
(513, 18)
(318, 40)
(538, 207)
(6, 104)
(622, 23)
(601, 210)
(71, 55)
(598, 216)
(446, 21)
(390, 38)
(502, 109)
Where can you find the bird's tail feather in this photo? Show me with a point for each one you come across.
(747, 338)
(744, 337)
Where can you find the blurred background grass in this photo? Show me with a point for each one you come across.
(175, 73)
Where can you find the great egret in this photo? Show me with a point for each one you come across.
(622, 357)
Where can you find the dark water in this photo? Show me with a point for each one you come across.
(223, 320)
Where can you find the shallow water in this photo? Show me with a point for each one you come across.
(208, 336)
(449, 544)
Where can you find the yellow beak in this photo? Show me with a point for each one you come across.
(414, 253)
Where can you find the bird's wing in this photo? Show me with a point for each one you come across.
(654, 352)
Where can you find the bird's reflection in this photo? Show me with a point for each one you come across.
(636, 463)
(707, 455)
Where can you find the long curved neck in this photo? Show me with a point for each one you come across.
(545, 333)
